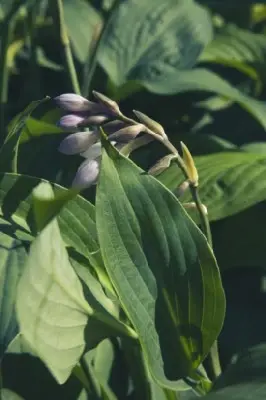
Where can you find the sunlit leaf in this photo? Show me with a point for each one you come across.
(161, 267)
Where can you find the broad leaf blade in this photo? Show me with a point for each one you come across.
(229, 182)
(244, 379)
(161, 266)
(168, 36)
(12, 260)
(203, 80)
(51, 308)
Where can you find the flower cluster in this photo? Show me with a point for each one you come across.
(83, 118)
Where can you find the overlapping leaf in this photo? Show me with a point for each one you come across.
(229, 182)
(161, 266)
(147, 40)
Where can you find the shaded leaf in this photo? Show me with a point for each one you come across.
(228, 182)
(12, 260)
(158, 260)
(9, 150)
(244, 378)
(201, 79)
(169, 36)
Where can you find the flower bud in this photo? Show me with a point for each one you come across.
(93, 151)
(73, 102)
(111, 105)
(128, 133)
(161, 165)
(113, 126)
(181, 189)
(193, 206)
(87, 174)
(150, 123)
(93, 120)
(70, 121)
(190, 165)
(78, 142)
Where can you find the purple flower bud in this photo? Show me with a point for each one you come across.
(87, 174)
(73, 102)
(70, 121)
(128, 133)
(92, 152)
(78, 142)
(113, 126)
(94, 120)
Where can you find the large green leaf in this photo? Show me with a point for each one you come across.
(51, 308)
(161, 266)
(203, 80)
(147, 40)
(76, 220)
(228, 182)
(83, 22)
(12, 260)
(244, 379)
(240, 49)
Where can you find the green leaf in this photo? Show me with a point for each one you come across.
(160, 264)
(76, 219)
(244, 378)
(12, 260)
(51, 308)
(34, 128)
(201, 79)
(228, 182)
(168, 36)
(240, 49)
(6, 394)
(83, 22)
(9, 150)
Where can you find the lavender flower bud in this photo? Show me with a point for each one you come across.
(113, 126)
(78, 142)
(92, 152)
(87, 174)
(73, 102)
(94, 120)
(111, 105)
(70, 121)
(128, 133)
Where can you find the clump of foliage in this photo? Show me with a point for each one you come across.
(132, 242)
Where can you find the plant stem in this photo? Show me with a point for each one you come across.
(4, 78)
(33, 62)
(68, 57)
(92, 59)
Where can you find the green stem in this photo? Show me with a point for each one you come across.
(92, 59)
(33, 64)
(68, 57)
(4, 77)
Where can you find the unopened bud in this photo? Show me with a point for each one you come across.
(128, 133)
(113, 126)
(78, 142)
(93, 120)
(70, 121)
(181, 189)
(109, 104)
(190, 165)
(73, 102)
(150, 123)
(87, 174)
(162, 165)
